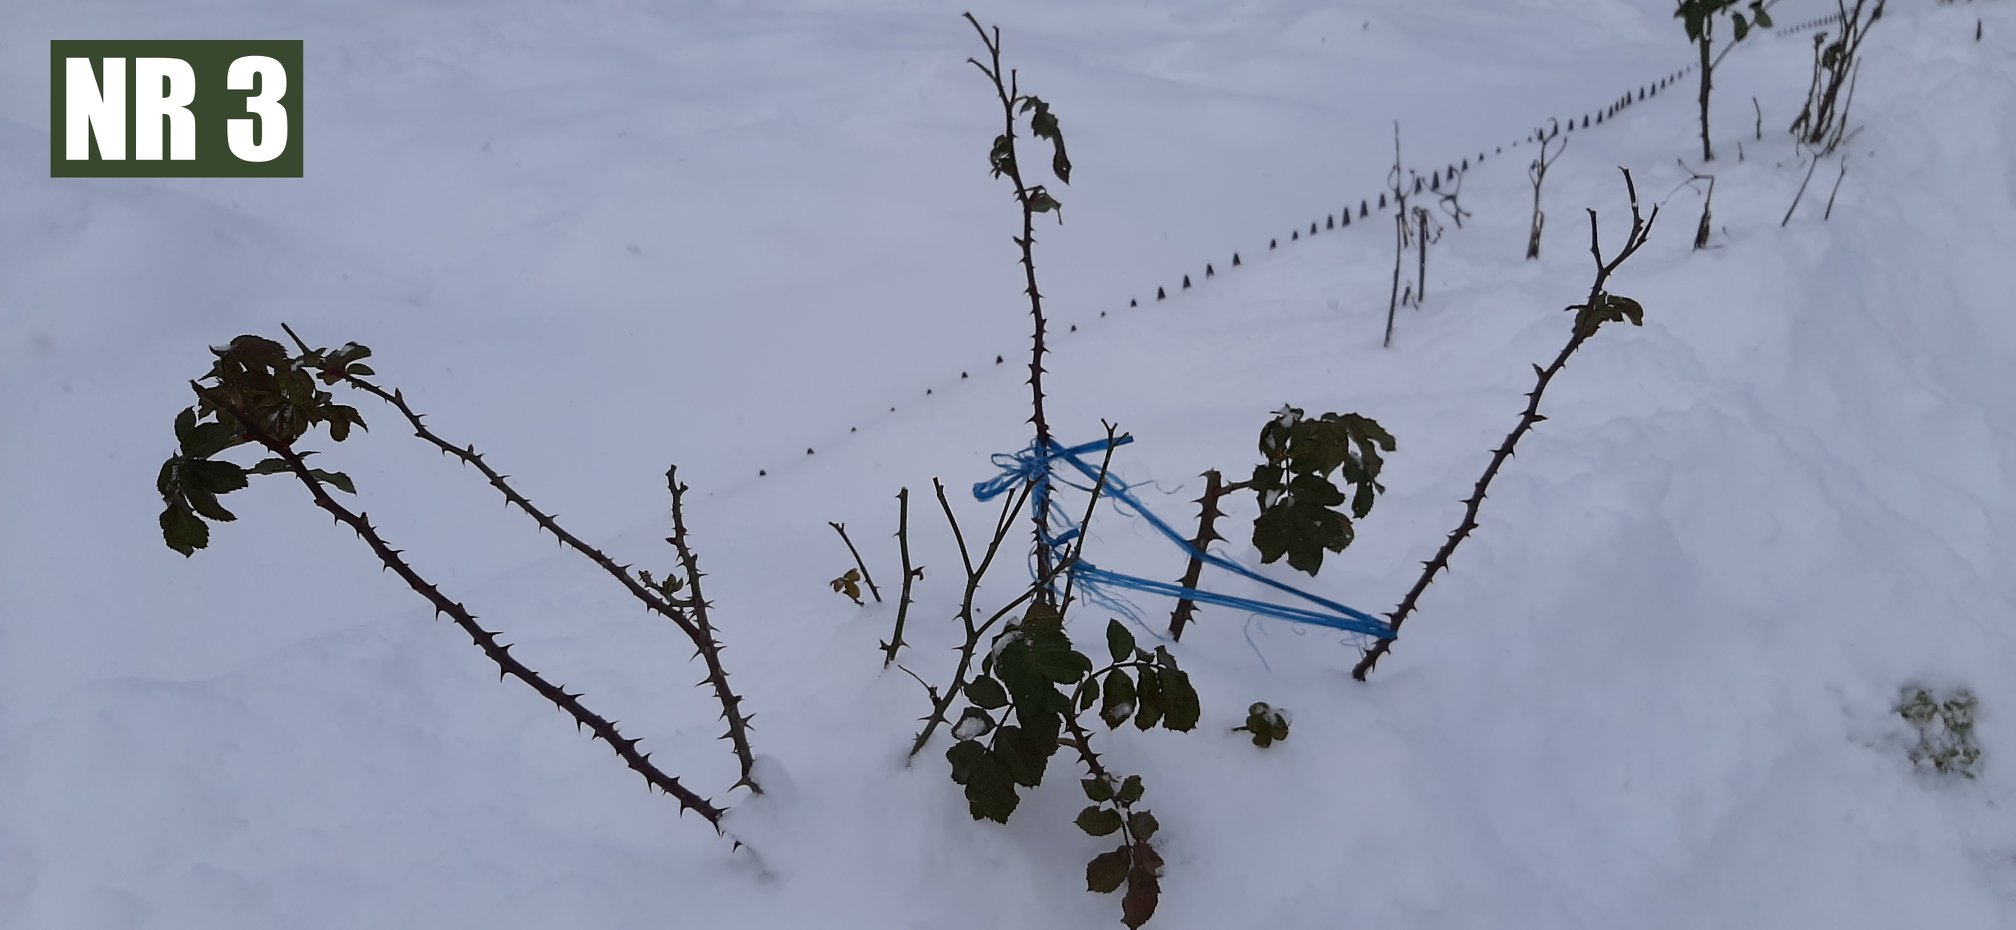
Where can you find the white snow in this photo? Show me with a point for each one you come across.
(970, 727)
(595, 237)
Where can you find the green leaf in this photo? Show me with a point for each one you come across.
(335, 479)
(1273, 533)
(1120, 699)
(1041, 620)
(1266, 724)
(1036, 698)
(986, 692)
(1044, 124)
(1628, 309)
(1097, 788)
(1265, 478)
(1142, 825)
(212, 476)
(1296, 519)
(1098, 821)
(182, 530)
(1742, 27)
(1088, 693)
(1763, 15)
(1314, 491)
(1040, 201)
(258, 350)
(990, 792)
(202, 440)
(1119, 642)
(1023, 756)
(1184, 709)
(964, 756)
(1054, 659)
(1144, 890)
(1306, 557)
(272, 466)
(341, 418)
(1368, 428)
(1002, 156)
(169, 478)
(205, 503)
(1130, 790)
(1148, 705)
(1108, 871)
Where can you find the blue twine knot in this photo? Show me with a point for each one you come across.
(1036, 465)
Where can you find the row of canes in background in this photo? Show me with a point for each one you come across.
(1429, 184)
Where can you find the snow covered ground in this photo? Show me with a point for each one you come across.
(596, 237)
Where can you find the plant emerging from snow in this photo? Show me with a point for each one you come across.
(1300, 489)
(1005, 161)
(1600, 308)
(1700, 16)
(1025, 693)
(1822, 123)
(258, 394)
(1537, 173)
(1265, 723)
(1027, 702)
(1307, 458)
(1945, 730)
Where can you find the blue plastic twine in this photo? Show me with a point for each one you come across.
(1035, 465)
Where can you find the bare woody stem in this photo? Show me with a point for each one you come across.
(1399, 234)
(1421, 287)
(974, 629)
(1039, 588)
(841, 528)
(1008, 93)
(1801, 194)
(1537, 173)
(1705, 45)
(1091, 504)
(943, 702)
(895, 642)
(486, 640)
(1701, 229)
(1641, 227)
(1836, 191)
(705, 646)
(1207, 533)
(697, 604)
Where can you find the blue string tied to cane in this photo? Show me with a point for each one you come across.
(1036, 465)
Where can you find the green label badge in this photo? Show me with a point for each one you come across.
(224, 108)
